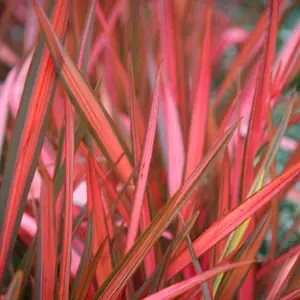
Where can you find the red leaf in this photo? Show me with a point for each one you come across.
(236, 217)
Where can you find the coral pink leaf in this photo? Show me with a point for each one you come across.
(96, 207)
(85, 101)
(232, 220)
(46, 267)
(65, 266)
(280, 281)
(247, 52)
(293, 295)
(261, 96)
(122, 273)
(178, 289)
(144, 166)
(28, 136)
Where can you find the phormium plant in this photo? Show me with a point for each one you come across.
(139, 147)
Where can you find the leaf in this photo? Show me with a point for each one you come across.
(160, 271)
(27, 263)
(136, 125)
(201, 101)
(85, 101)
(292, 295)
(28, 137)
(246, 52)
(235, 218)
(137, 136)
(160, 277)
(235, 279)
(86, 38)
(14, 289)
(59, 151)
(84, 259)
(278, 285)
(89, 273)
(144, 167)
(65, 263)
(196, 263)
(100, 233)
(168, 45)
(46, 250)
(286, 63)
(122, 273)
(261, 175)
(262, 92)
(173, 104)
(198, 125)
(179, 288)
(82, 63)
(59, 177)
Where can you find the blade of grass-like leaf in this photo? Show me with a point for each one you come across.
(89, 273)
(65, 264)
(175, 146)
(144, 167)
(160, 277)
(167, 39)
(198, 123)
(224, 206)
(47, 251)
(59, 177)
(108, 27)
(261, 175)
(278, 262)
(178, 289)
(14, 288)
(84, 48)
(196, 263)
(27, 263)
(28, 136)
(86, 38)
(137, 135)
(246, 52)
(79, 218)
(280, 281)
(121, 193)
(234, 280)
(234, 219)
(172, 54)
(95, 206)
(161, 269)
(293, 295)
(111, 45)
(75, 22)
(180, 61)
(124, 206)
(200, 109)
(137, 130)
(262, 92)
(276, 202)
(286, 59)
(59, 151)
(98, 86)
(85, 101)
(82, 63)
(85, 257)
(286, 236)
(123, 272)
